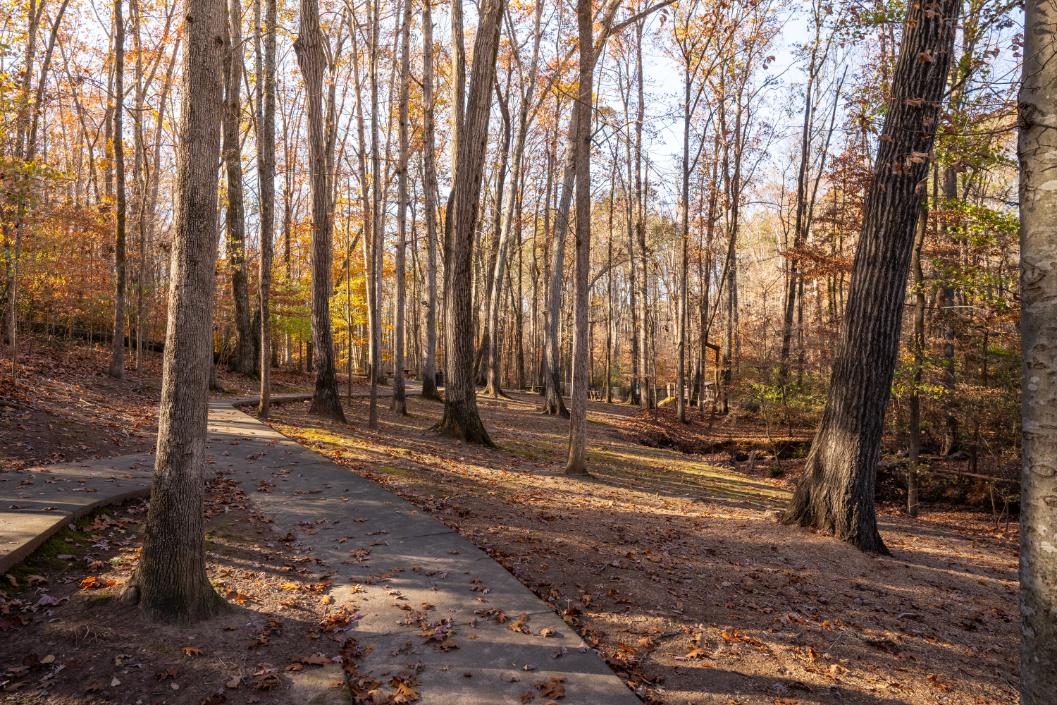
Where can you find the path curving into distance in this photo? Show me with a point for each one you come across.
(425, 599)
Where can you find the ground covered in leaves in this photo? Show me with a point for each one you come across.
(65, 407)
(672, 564)
(66, 637)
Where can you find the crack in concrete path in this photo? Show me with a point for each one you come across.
(402, 573)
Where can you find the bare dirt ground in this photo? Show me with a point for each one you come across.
(673, 564)
(66, 638)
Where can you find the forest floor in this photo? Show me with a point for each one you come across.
(673, 565)
(67, 639)
(668, 559)
(66, 408)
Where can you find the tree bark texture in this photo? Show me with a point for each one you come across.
(577, 463)
(1037, 149)
(266, 171)
(836, 494)
(429, 168)
(117, 352)
(235, 222)
(311, 58)
(171, 581)
(399, 395)
(461, 418)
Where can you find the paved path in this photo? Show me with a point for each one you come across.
(426, 599)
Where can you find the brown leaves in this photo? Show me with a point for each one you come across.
(520, 625)
(403, 692)
(552, 688)
(316, 659)
(736, 635)
(266, 677)
(94, 583)
(336, 620)
(263, 637)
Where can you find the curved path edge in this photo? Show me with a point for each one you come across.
(426, 604)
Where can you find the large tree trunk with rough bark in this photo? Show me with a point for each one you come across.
(170, 582)
(577, 463)
(117, 351)
(429, 168)
(311, 58)
(836, 494)
(461, 418)
(266, 176)
(1038, 330)
(235, 222)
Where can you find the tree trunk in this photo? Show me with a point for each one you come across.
(552, 380)
(1037, 149)
(646, 398)
(684, 249)
(799, 231)
(461, 418)
(236, 219)
(577, 463)
(171, 582)
(117, 351)
(429, 361)
(399, 396)
(377, 236)
(836, 494)
(947, 312)
(489, 350)
(266, 176)
(918, 353)
(312, 61)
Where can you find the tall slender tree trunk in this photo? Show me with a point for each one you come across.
(235, 221)
(139, 178)
(1037, 149)
(171, 582)
(461, 418)
(610, 318)
(488, 352)
(646, 396)
(918, 352)
(117, 351)
(266, 176)
(684, 251)
(836, 494)
(947, 314)
(399, 395)
(312, 59)
(799, 235)
(429, 361)
(374, 317)
(553, 403)
(577, 463)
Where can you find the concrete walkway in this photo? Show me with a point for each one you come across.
(427, 601)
